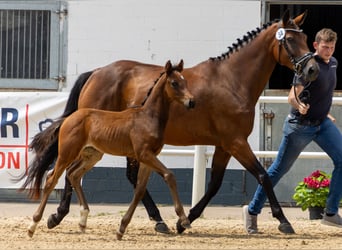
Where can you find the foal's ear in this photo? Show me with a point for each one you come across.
(299, 20)
(180, 65)
(168, 67)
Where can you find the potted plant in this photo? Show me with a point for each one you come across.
(312, 192)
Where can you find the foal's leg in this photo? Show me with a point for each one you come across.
(151, 208)
(51, 182)
(143, 175)
(75, 172)
(152, 161)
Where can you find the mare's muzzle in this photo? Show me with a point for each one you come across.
(307, 67)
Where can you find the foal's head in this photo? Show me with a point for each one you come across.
(176, 85)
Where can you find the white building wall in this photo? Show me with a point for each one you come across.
(153, 31)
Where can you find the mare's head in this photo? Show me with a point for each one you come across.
(176, 86)
(293, 50)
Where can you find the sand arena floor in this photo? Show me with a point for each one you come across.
(218, 228)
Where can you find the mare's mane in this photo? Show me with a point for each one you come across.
(241, 42)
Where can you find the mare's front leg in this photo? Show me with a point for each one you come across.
(64, 206)
(244, 154)
(218, 167)
(139, 191)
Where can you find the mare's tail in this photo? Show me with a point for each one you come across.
(45, 143)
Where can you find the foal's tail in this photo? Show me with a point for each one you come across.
(45, 143)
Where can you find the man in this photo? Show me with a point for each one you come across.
(309, 120)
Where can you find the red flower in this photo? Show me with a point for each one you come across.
(317, 179)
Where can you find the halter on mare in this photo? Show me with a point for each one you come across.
(298, 63)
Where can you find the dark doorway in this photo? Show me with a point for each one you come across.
(319, 16)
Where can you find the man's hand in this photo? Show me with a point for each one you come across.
(331, 118)
(303, 108)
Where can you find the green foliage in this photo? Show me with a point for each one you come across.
(313, 190)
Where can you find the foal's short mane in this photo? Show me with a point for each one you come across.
(241, 42)
(174, 67)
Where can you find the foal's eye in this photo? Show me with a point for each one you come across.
(174, 84)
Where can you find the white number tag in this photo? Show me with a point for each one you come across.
(280, 34)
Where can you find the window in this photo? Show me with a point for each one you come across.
(31, 42)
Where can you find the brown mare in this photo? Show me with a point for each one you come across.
(137, 132)
(226, 89)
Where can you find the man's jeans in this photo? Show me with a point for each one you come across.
(295, 138)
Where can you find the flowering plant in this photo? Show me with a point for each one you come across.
(313, 190)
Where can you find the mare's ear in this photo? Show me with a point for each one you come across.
(299, 20)
(286, 17)
(168, 67)
(180, 65)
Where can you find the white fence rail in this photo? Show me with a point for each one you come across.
(200, 154)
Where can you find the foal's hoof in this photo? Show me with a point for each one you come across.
(30, 233)
(82, 227)
(52, 221)
(161, 227)
(286, 228)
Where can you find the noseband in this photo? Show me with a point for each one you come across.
(299, 62)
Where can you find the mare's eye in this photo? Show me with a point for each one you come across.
(289, 39)
(174, 84)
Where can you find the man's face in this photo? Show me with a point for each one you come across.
(324, 50)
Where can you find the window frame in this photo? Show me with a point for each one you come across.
(57, 63)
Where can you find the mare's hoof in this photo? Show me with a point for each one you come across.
(286, 228)
(181, 226)
(52, 221)
(161, 227)
(119, 235)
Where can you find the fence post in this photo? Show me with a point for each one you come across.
(198, 183)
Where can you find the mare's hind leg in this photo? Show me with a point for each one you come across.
(218, 167)
(64, 206)
(143, 175)
(51, 181)
(244, 154)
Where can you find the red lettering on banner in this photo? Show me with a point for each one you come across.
(15, 161)
(10, 160)
(2, 159)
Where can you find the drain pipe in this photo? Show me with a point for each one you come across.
(268, 117)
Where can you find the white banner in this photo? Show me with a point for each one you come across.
(24, 114)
